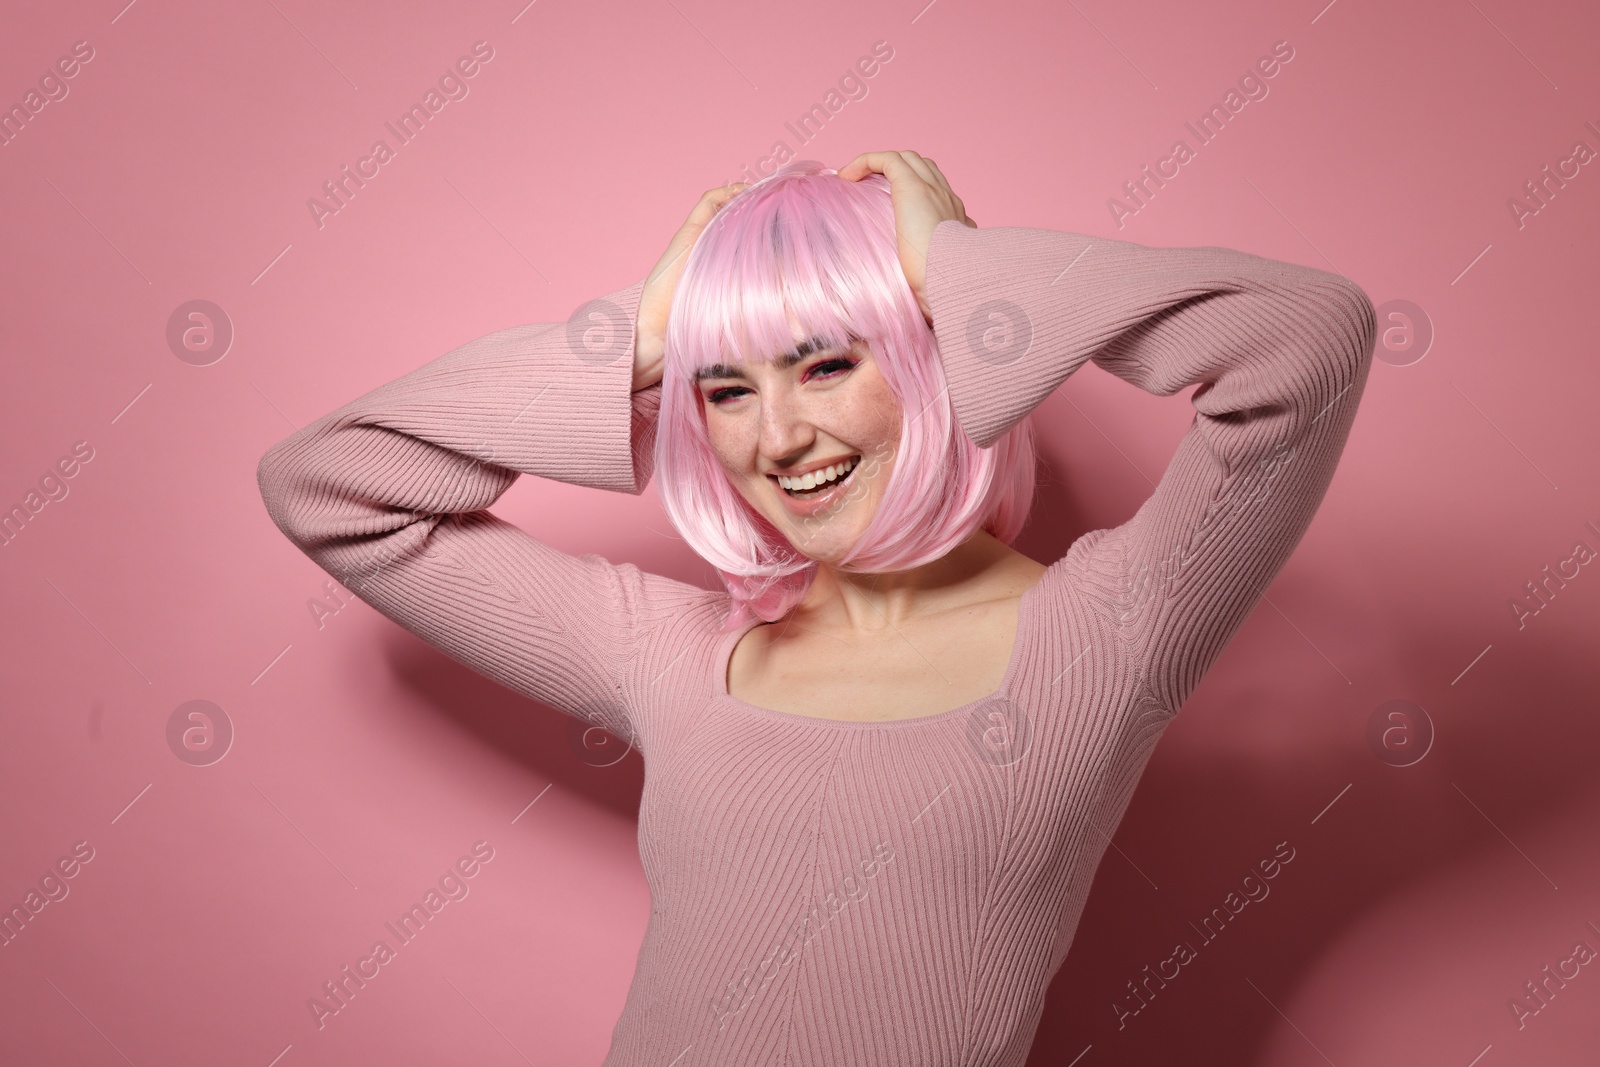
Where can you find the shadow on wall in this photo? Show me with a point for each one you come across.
(1420, 902)
(550, 744)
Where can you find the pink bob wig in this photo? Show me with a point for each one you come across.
(805, 243)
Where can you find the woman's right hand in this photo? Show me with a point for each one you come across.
(922, 199)
(655, 303)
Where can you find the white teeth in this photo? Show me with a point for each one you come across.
(816, 478)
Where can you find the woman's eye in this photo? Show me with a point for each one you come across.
(822, 370)
(828, 368)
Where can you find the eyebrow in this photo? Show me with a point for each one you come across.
(783, 362)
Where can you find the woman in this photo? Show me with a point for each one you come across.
(883, 765)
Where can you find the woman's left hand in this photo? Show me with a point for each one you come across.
(922, 199)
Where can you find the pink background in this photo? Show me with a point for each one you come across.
(221, 897)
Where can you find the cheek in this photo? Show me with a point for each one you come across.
(731, 446)
(876, 417)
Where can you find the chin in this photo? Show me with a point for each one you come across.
(820, 539)
(829, 556)
(825, 547)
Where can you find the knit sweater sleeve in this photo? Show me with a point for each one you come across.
(389, 495)
(1281, 355)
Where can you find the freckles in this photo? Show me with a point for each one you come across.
(734, 447)
(878, 414)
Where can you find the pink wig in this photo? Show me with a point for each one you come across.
(804, 242)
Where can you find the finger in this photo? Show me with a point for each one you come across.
(723, 192)
(854, 169)
(921, 168)
(944, 183)
(942, 180)
(714, 199)
(891, 165)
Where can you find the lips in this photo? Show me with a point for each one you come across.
(816, 500)
(794, 484)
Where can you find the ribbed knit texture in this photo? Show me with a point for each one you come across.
(873, 893)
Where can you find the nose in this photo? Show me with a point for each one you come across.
(786, 430)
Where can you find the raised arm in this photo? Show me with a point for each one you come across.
(1282, 354)
(388, 494)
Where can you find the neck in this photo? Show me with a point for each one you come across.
(845, 601)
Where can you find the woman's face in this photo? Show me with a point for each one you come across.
(809, 410)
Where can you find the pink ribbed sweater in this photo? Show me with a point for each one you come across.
(875, 893)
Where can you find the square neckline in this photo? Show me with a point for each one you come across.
(1026, 611)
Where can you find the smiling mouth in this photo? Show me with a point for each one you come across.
(823, 487)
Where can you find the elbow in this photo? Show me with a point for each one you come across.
(275, 478)
(1344, 333)
(1354, 326)
(1361, 320)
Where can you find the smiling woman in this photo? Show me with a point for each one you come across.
(869, 830)
(795, 345)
